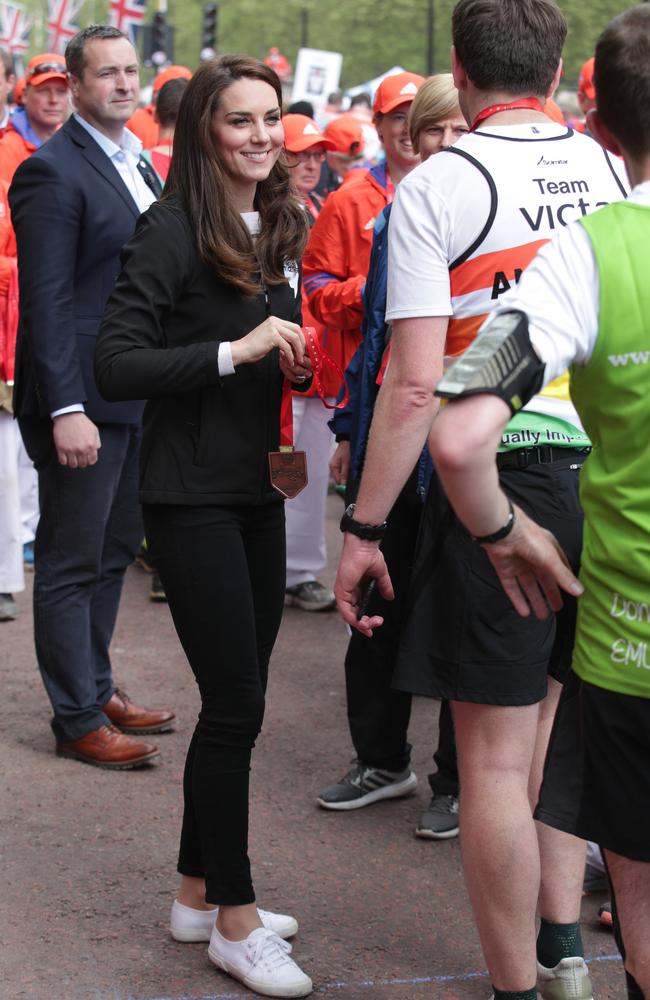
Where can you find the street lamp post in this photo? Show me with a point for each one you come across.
(304, 27)
(431, 32)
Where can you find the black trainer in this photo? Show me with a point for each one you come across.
(364, 784)
(440, 820)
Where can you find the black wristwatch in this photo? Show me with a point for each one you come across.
(369, 532)
(503, 532)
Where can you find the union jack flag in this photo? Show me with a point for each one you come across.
(15, 26)
(62, 23)
(127, 15)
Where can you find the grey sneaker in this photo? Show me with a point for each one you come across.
(363, 785)
(156, 591)
(310, 596)
(8, 609)
(568, 980)
(440, 820)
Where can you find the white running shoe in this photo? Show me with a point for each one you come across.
(188, 924)
(568, 980)
(262, 962)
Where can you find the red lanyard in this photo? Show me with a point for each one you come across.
(319, 361)
(312, 208)
(529, 103)
(390, 189)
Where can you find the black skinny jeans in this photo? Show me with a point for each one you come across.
(223, 569)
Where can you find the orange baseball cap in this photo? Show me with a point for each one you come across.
(586, 80)
(170, 73)
(47, 66)
(346, 135)
(302, 132)
(398, 89)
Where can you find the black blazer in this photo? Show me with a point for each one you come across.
(72, 214)
(205, 439)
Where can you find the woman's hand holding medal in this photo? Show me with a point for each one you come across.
(280, 333)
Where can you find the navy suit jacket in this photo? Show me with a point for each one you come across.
(72, 214)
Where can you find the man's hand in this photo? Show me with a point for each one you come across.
(76, 440)
(340, 463)
(530, 562)
(361, 562)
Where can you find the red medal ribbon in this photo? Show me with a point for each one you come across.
(286, 418)
(320, 359)
(390, 189)
(527, 103)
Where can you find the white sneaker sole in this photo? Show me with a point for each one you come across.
(297, 602)
(191, 935)
(393, 791)
(188, 935)
(297, 990)
(426, 834)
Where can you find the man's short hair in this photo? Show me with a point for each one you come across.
(361, 99)
(169, 100)
(622, 77)
(509, 45)
(7, 61)
(75, 58)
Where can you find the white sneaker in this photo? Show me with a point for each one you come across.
(188, 924)
(568, 980)
(261, 961)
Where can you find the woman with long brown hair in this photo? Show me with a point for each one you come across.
(204, 323)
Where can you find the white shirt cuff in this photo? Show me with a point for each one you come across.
(73, 408)
(224, 359)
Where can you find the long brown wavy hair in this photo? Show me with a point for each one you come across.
(198, 178)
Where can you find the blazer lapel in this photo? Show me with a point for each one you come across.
(101, 162)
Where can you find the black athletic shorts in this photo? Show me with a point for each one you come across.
(463, 640)
(597, 772)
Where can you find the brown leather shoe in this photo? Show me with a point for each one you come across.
(130, 718)
(108, 747)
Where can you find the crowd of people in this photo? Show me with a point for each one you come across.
(249, 303)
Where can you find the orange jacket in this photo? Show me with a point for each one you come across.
(13, 150)
(336, 261)
(142, 124)
(329, 381)
(8, 289)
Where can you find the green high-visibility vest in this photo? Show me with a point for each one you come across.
(612, 395)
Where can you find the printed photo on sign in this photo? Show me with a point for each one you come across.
(317, 75)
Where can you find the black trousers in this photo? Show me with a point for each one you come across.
(223, 569)
(379, 715)
(88, 533)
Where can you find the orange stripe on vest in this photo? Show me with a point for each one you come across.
(480, 272)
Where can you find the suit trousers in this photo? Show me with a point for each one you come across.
(88, 533)
(378, 714)
(223, 569)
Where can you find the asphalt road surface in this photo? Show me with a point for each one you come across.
(89, 855)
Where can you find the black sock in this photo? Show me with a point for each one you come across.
(558, 941)
(530, 994)
(634, 991)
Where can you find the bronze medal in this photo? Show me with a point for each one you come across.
(288, 469)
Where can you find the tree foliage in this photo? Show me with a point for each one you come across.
(372, 34)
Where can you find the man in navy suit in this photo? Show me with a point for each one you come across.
(74, 204)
